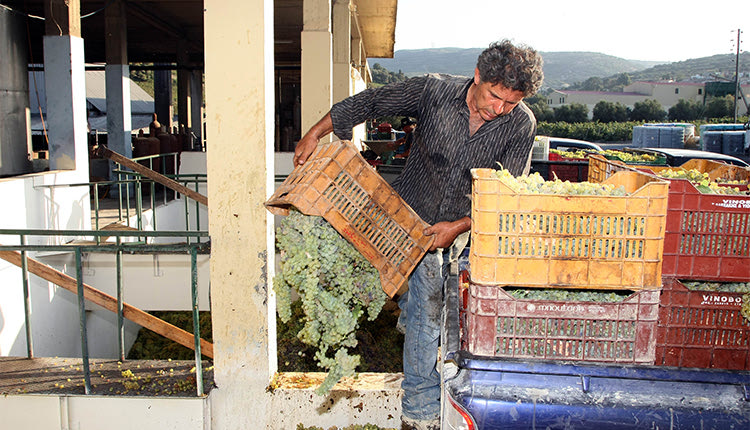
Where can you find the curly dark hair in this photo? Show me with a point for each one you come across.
(516, 67)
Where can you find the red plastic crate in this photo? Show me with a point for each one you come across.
(701, 329)
(707, 236)
(496, 324)
(567, 172)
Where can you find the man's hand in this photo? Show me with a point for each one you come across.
(309, 141)
(304, 148)
(445, 232)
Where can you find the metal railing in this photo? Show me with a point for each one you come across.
(130, 193)
(126, 177)
(118, 248)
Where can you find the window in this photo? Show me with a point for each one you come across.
(700, 91)
(677, 91)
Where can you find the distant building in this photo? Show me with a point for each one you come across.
(666, 93)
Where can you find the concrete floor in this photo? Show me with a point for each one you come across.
(65, 376)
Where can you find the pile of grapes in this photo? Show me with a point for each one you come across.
(626, 157)
(566, 295)
(536, 184)
(701, 181)
(337, 286)
(631, 157)
(572, 154)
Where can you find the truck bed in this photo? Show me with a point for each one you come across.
(518, 394)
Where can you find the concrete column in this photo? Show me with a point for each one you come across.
(183, 86)
(163, 97)
(356, 54)
(117, 77)
(238, 40)
(65, 85)
(342, 36)
(317, 62)
(196, 108)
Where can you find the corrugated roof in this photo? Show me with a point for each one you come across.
(140, 101)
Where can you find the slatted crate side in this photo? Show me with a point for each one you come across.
(707, 236)
(568, 241)
(338, 184)
(702, 329)
(496, 324)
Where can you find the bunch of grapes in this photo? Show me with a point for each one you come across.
(701, 181)
(725, 287)
(630, 157)
(338, 287)
(535, 184)
(572, 154)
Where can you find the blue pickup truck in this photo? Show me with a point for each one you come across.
(490, 393)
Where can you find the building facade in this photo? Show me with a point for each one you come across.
(666, 93)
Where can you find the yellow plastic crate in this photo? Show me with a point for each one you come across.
(566, 241)
(339, 185)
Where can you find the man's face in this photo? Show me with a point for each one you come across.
(494, 100)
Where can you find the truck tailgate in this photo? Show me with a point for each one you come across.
(512, 394)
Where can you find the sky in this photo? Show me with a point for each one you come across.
(650, 30)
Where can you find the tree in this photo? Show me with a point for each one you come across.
(622, 80)
(593, 84)
(720, 107)
(606, 111)
(648, 110)
(382, 76)
(685, 110)
(574, 112)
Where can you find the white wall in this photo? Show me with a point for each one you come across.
(31, 204)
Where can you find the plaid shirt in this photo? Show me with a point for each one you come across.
(436, 181)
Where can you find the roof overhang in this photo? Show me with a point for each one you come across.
(377, 24)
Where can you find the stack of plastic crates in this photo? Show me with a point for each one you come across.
(707, 239)
(580, 242)
(339, 185)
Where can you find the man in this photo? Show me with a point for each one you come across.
(403, 145)
(463, 124)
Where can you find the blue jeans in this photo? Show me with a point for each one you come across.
(421, 309)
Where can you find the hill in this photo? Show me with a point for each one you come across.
(560, 68)
(715, 65)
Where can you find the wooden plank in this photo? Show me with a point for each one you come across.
(145, 171)
(108, 302)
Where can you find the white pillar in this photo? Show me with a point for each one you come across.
(317, 62)
(238, 40)
(65, 86)
(342, 36)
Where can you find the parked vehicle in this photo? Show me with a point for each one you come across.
(565, 144)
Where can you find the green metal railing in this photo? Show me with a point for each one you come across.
(118, 248)
(133, 205)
